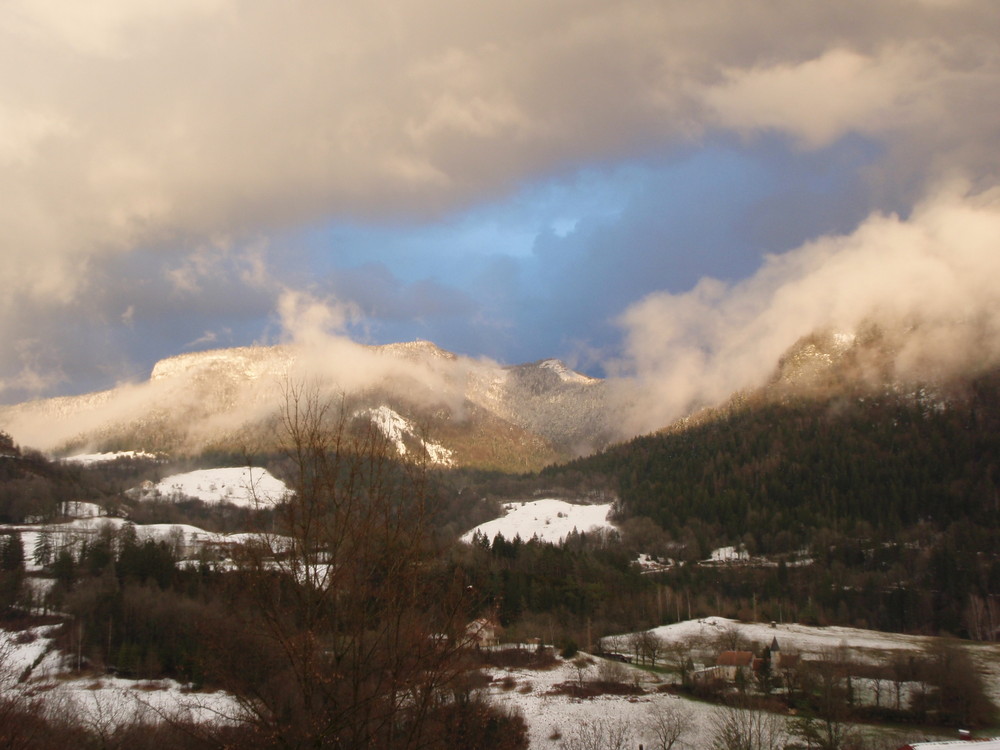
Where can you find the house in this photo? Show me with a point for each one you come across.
(733, 663)
(706, 675)
(483, 633)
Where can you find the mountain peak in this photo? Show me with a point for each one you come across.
(252, 362)
(564, 372)
(481, 413)
(415, 350)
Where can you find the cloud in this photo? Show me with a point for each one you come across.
(314, 329)
(144, 122)
(932, 271)
(137, 130)
(307, 321)
(821, 99)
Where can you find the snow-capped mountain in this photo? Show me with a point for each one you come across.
(456, 410)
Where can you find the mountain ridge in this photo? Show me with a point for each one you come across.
(481, 413)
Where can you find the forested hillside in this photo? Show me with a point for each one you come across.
(775, 473)
(890, 498)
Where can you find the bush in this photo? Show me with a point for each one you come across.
(519, 657)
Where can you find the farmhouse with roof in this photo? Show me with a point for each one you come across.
(483, 633)
(731, 666)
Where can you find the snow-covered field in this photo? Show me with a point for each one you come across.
(549, 520)
(862, 646)
(553, 718)
(239, 485)
(100, 701)
(801, 639)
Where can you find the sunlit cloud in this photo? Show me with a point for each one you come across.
(929, 273)
(507, 181)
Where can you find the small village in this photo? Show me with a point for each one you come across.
(851, 685)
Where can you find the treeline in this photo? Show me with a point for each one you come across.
(893, 498)
(773, 474)
(31, 485)
(539, 589)
(34, 487)
(133, 607)
(924, 582)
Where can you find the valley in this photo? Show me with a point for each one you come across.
(836, 514)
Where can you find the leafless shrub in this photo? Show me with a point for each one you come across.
(742, 727)
(612, 671)
(525, 658)
(667, 722)
(600, 734)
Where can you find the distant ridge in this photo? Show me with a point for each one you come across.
(476, 412)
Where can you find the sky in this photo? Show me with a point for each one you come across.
(663, 192)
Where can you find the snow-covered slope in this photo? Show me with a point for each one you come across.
(108, 702)
(549, 520)
(239, 485)
(89, 459)
(399, 431)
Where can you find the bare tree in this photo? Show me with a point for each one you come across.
(681, 655)
(581, 664)
(982, 617)
(651, 646)
(668, 722)
(616, 644)
(743, 727)
(729, 637)
(878, 684)
(612, 672)
(357, 633)
(600, 734)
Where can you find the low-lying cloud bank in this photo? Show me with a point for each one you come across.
(933, 272)
(230, 394)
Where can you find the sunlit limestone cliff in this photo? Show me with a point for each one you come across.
(428, 402)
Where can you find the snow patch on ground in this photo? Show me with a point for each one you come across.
(88, 459)
(550, 520)
(811, 642)
(240, 485)
(396, 427)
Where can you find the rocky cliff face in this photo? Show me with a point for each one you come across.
(473, 412)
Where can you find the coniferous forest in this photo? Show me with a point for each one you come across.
(877, 510)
